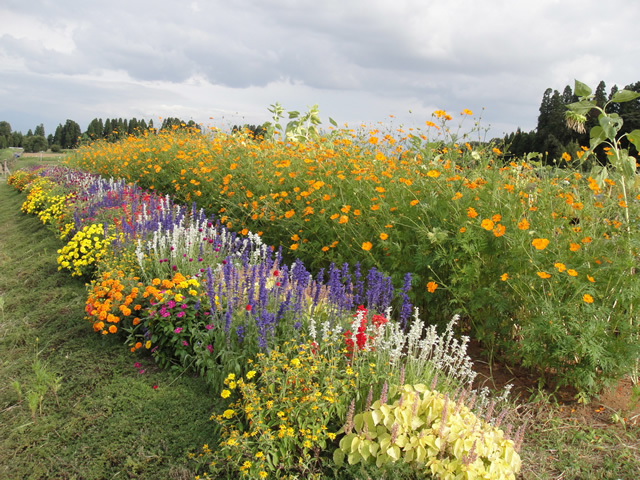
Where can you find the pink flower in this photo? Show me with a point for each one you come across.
(208, 327)
(185, 343)
(177, 330)
(137, 365)
(210, 348)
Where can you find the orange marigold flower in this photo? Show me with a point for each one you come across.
(540, 243)
(587, 298)
(113, 329)
(431, 287)
(487, 224)
(366, 246)
(543, 275)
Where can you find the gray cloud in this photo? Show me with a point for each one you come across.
(361, 61)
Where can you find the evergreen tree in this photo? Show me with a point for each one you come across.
(57, 137)
(39, 130)
(70, 134)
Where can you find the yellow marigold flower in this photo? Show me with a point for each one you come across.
(147, 345)
(225, 393)
(431, 287)
(487, 224)
(587, 298)
(251, 374)
(228, 413)
(366, 246)
(540, 243)
(543, 275)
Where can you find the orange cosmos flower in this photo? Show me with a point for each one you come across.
(413, 203)
(540, 243)
(324, 249)
(343, 219)
(523, 224)
(572, 272)
(543, 275)
(560, 266)
(499, 230)
(293, 247)
(289, 213)
(591, 279)
(383, 236)
(574, 247)
(496, 218)
(587, 298)
(504, 277)
(487, 224)
(433, 173)
(431, 287)
(366, 246)
(471, 212)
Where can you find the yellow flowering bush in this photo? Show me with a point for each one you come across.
(436, 434)
(283, 414)
(85, 248)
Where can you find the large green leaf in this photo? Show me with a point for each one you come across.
(581, 89)
(634, 137)
(582, 107)
(611, 125)
(597, 136)
(624, 96)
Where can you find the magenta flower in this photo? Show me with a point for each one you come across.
(185, 343)
(210, 348)
(208, 327)
(180, 314)
(177, 330)
(137, 365)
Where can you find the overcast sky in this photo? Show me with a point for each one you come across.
(360, 61)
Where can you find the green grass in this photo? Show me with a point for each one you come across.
(572, 443)
(72, 405)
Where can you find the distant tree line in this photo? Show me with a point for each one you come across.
(552, 137)
(70, 135)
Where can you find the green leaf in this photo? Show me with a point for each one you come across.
(333, 122)
(610, 124)
(634, 137)
(597, 136)
(624, 96)
(294, 114)
(581, 89)
(338, 457)
(582, 107)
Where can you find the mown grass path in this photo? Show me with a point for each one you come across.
(72, 403)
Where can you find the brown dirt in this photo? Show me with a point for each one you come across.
(617, 400)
